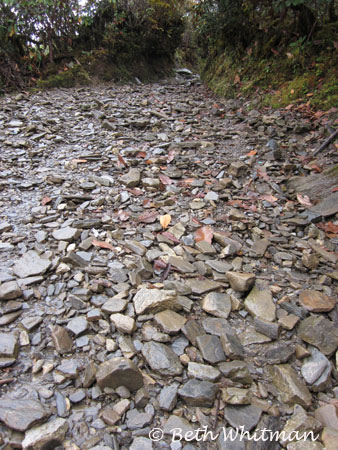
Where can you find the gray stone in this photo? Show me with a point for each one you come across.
(66, 234)
(181, 264)
(230, 439)
(78, 325)
(132, 178)
(279, 353)
(236, 371)
(122, 323)
(292, 389)
(119, 372)
(192, 329)
(177, 423)
(259, 303)
(43, 436)
(319, 332)
(203, 372)
(200, 287)
(136, 247)
(219, 266)
(300, 421)
(246, 416)
(162, 359)
(217, 304)
(236, 396)
(198, 393)
(211, 348)
(241, 282)
(114, 305)
(141, 443)
(170, 321)
(205, 248)
(9, 346)
(20, 415)
(152, 300)
(69, 368)
(31, 264)
(10, 290)
(232, 345)
(316, 370)
(270, 329)
(168, 397)
(136, 419)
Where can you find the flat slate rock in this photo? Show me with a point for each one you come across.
(119, 372)
(319, 332)
(202, 286)
(162, 359)
(10, 290)
(9, 347)
(259, 303)
(49, 434)
(246, 416)
(326, 207)
(316, 301)
(153, 300)
(31, 264)
(211, 348)
(198, 393)
(20, 415)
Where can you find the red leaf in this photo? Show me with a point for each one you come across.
(334, 189)
(135, 191)
(123, 215)
(103, 244)
(121, 160)
(148, 217)
(45, 200)
(141, 155)
(204, 234)
(171, 156)
(165, 180)
(263, 174)
(159, 265)
(170, 236)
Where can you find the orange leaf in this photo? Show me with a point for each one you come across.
(204, 234)
(171, 156)
(102, 244)
(141, 154)
(165, 220)
(252, 153)
(78, 161)
(304, 200)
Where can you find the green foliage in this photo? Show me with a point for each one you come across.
(73, 76)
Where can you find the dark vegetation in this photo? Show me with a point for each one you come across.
(60, 42)
(279, 51)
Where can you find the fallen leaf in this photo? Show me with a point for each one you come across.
(269, 198)
(334, 189)
(78, 161)
(121, 160)
(165, 220)
(165, 180)
(304, 200)
(252, 153)
(148, 216)
(45, 200)
(204, 234)
(141, 154)
(171, 156)
(237, 79)
(136, 191)
(263, 174)
(123, 215)
(159, 265)
(170, 236)
(102, 244)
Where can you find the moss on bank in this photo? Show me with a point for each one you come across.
(298, 75)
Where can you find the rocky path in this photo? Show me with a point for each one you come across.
(159, 270)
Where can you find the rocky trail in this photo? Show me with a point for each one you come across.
(168, 260)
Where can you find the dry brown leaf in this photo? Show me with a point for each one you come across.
(304, 200)
(204, 234)
(148, 217)
(165, 220)
(102, 244)
(269, 198)
(165, 180)
(121, 160)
